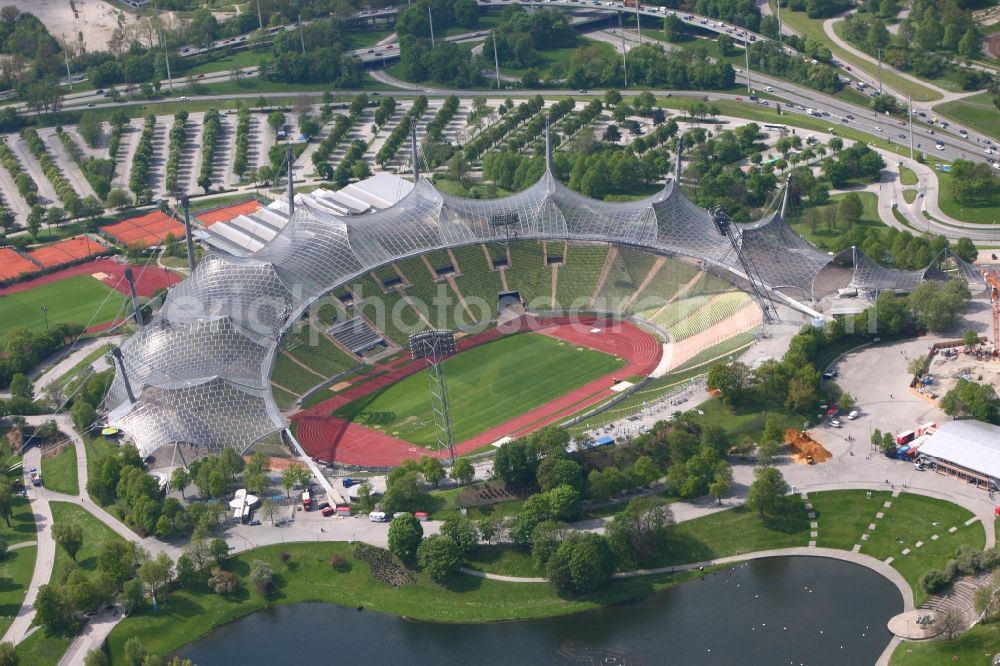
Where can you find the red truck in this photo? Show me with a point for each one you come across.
(307, 502)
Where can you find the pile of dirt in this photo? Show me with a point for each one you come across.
(804, 448)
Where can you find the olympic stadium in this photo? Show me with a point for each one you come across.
(204, 371)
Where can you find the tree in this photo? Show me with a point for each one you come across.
(639, 533)
(970, 399)
(489, 528)
(722, 482)
(938, 305)
(135, 652)
(556, 470)
(850, 207)
(965, 249)
(612, 97)
(132, 596)
(118, 198)
(439, 556)
(180, 479)
(463, 471)
(970, 339)
(673, 28)
(767, 492)
(263, 577)
(95, 658)
(222, 582)
(405, 535)
(432, 469)
(950, 621)
(8, 655)
(69, 536)
(462, 531)
(583, 563)
(404, 492)
(231, 463)
(20, 387)
(611, 134)
(516, 462)
(52, 610)
(276, 119)
(732, 379)
(155, 573)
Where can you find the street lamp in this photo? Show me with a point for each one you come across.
(45, 316)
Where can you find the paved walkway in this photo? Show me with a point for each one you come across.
(45, 557)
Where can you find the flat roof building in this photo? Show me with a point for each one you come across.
(968, 449)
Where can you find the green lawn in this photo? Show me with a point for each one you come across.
(907, 176)
(983, 212)
(487, 386)
(95, 533)
(22, 522)
(59, 471)
(823, 236)
(735, 532)
(507, 560)
(974, 111)
(909, 196)
(73, 300)
(813, 29)
(748, 418)
(913, 518)
(41, 649)
(16, 569)
(844, 515)
(361, 40)
(563, 56)
(189, 614)
(243, 58)
(977, 646)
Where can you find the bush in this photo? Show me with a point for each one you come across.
(934, 581)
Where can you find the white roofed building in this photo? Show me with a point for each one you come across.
(968, 449)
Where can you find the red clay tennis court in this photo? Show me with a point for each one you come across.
(150, 228)
(329, 438)
(226, 213)
(66, 251)
(13, 265)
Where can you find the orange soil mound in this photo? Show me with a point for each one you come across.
(802, 446)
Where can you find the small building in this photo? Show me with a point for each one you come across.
(422, 516)
(967, 449)
(343, 510)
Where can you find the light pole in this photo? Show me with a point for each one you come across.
(45, 316)
(624, 52)
(746, 51)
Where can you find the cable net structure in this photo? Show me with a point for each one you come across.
(200, 370)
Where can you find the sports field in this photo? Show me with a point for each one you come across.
(73, 300)
(488, 385)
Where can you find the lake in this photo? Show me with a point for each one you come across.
(787, 610)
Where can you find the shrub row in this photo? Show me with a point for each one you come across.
(98, 172)
(209, 142)
(495, 133)
(138, 180)
(67, 195)
(535, 128)
(240, 159)
(572, 125)
(967, 562)
(352, 164)
(401, 131)
(178, 137)
(436, 126)
(25, 185)
(385, 109)
(341, 126)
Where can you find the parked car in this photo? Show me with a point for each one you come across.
(254, 522)
(348, 482)
(323, 505)
(835, 423)
(378, 517)
(853, 415)
(328, 511)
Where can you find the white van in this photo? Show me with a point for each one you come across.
(378, 517)
(769, 89)
(853, 415)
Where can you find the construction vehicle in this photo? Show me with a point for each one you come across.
(993, 282)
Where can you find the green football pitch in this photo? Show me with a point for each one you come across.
(73, 300)
(487, 385)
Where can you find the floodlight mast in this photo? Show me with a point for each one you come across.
(723, 224)
(432, 347)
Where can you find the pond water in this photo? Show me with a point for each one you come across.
(791, 610)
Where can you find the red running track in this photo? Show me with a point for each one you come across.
(329, 438)
(147, 280)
